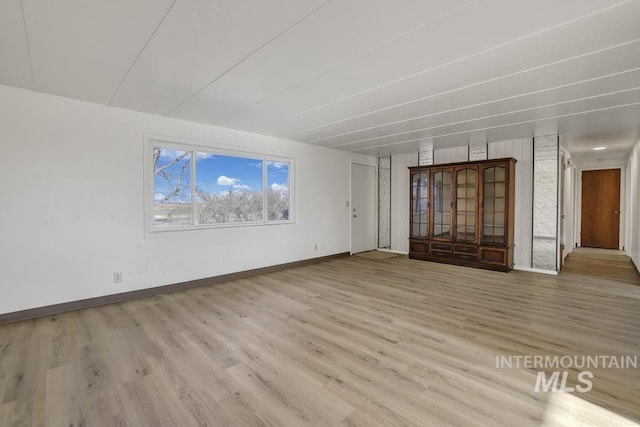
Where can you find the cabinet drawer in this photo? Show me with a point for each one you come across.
(421, 248)
(466, 249)
(465, 257)
(493, 256)
(440, 246)
(441, 254)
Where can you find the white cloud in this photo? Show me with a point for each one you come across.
(279, 165)
(204, 156)
(158, 196)
(279, 187)
(225, 180)
(233, 182)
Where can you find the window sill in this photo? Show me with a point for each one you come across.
(159, 232)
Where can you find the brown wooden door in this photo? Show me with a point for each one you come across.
(601, 208)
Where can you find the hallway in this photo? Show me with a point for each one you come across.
(601, 263)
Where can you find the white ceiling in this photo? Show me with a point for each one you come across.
(370, 76)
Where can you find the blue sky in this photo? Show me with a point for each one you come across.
(219, 173)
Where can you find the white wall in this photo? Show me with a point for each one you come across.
(568, 197)
(400, 200)
(633, 205)
(522, 151)
(450, 155)
(72, 204)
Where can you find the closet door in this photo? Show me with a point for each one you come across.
(442, 186)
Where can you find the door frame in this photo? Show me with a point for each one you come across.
(567, 197)
(350, 207)
(568, 192)
(563, 166)
(578, 205)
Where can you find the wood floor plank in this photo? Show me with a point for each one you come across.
(351, 342)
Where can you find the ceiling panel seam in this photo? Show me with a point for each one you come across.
(500, 126)
(494, 79)
(153, 33)
(479, 104)
(347, 61)
(522, 110)
(26, 35)
(258, 49)
(460, 59)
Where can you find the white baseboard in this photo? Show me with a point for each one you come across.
(393, 252)
(566, 253)
(535, 270)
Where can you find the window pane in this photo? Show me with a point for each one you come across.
(278, 199)
(416, 229)
(489, 174)
(228, 189)
(171, 187)
(489, 190)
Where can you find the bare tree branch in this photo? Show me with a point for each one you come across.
(176, 184)
(157, 170)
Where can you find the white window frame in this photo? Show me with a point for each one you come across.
(151, 141)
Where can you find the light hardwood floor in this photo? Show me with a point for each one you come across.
(350, 342)
(608, 264)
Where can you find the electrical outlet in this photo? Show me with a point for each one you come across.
(117, 277)
(315, 247)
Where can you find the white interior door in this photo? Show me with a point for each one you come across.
(363, 208)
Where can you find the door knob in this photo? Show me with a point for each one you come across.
(616, 212)
(355, 216)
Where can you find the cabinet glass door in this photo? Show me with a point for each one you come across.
(493, 218)
(419, 204)
(466, 180)
(442, 193)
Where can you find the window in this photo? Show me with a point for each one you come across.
(278, 198)
(196, 187)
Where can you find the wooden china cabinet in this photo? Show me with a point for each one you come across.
(462, 213)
